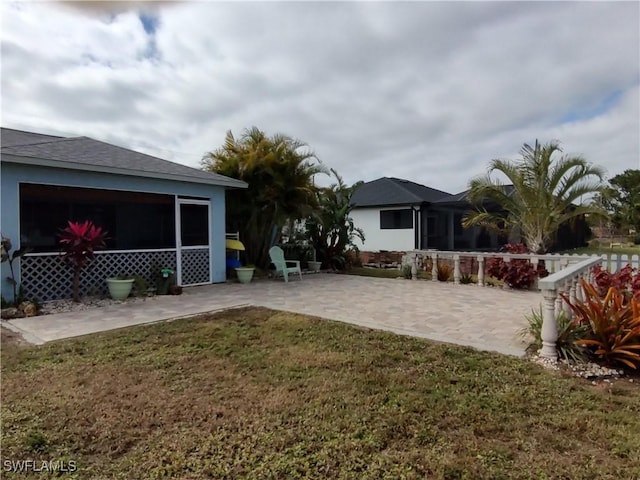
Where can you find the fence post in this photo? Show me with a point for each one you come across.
(456, 269)
(579, 290)
(558, 305)
(572, 297)
(549, 326)
(434, 267)
(414, 266)
(481, 271)
(506, 260)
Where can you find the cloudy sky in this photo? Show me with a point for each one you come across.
(428, 91)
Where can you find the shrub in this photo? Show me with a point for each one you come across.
(406, 272)
(141, 285)
(517, 273)
(444, 271)
(569, 333)
(636, 239)
(626, 280)
(614, 325)
(466, 278)
(9, 256)
(79, 242)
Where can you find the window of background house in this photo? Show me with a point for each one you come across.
(396, 219)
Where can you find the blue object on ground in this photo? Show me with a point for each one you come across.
(233, 263)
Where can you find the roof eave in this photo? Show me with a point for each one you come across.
(404, 204)
(43, 162)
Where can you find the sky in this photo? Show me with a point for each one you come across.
(426, 91)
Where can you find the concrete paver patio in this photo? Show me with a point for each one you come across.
(484, 318)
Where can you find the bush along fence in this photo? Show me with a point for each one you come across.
(470, 261)
(600, 293)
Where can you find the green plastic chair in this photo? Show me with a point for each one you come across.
(277, 258)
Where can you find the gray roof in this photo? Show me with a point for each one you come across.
(394, 191)
(463, 197)
(12, 137)
(84, 153)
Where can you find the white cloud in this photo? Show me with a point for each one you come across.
(426, 91)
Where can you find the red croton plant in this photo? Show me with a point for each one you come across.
(79, 241)
(518, 273)
(626, 281)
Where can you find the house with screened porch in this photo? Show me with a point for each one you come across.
(157, 213)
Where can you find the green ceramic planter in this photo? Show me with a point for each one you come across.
(119, 289)
(314, 266)
(245, 274)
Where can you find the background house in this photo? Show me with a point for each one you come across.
(400, 215)
(157, 213)
(392, 212)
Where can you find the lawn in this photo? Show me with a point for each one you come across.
(256, 393)
(596, 249)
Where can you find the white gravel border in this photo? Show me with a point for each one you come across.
(67, 305)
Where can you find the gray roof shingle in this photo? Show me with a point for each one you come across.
(80, 152)
(463, 197)
(10, 137)
(394, 191)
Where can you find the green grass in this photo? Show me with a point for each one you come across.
(595, 249)
(256, 393)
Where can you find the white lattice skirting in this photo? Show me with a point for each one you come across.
(48, 277)
(195, 266)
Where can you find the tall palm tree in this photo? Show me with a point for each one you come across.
(544, 194)
(280, 173)
(331, 229)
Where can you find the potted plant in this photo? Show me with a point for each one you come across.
(120, 287)
(245, 274)
(314, 265)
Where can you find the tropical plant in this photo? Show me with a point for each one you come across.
(330, 229)
(466, 278)
(614, 322)
(79, 241)
(406, 272)
(444, 271)
(542, 197)
(626, 280)
(10, 257)
(279, 171)
(569, 333)
(518, 273)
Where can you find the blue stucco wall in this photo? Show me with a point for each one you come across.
(11, 175)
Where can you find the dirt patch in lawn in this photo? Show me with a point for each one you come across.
(11, 338)
(256, 393)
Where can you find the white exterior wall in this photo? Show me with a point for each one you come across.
(368, 219)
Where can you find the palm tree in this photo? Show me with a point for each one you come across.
(543, 196)
(280, 173)
(331, 229)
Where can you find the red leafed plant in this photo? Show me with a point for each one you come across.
(517, 273)
(626, 280)
(79, 241)
(614, 322)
